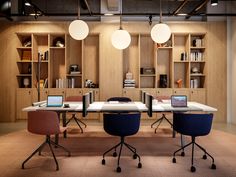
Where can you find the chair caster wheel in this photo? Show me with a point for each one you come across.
(118, 169)
(182, 154)
(213, 166)
(193, 169)
(174, 160)
(114, 154)
(22, 167)
(139, 165)
(103, 161)
(135, 156)
(204, 157)
(69, 154)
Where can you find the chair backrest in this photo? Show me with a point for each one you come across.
(43, 122)
(121, 124)
(192, 124)
(74, 98)
(121, 99)
(160, 98)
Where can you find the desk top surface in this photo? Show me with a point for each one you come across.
(124, 106)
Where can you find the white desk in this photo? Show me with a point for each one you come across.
(121, 107)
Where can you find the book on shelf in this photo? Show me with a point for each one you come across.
(26, 55)
(194, 83)
(65, 83)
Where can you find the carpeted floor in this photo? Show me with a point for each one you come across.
(87, 149)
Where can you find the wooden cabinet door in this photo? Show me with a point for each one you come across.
(133, 94)
(23, 99)
(198, 95)
(164, 92)
(56, 91)
(43, 95)
(74, 92)
(181, 92)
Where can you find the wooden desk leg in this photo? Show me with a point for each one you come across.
(64, 123)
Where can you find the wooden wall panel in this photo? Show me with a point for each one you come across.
(217, 69)
(110, 72)
(110, 59)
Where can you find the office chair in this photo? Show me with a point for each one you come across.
(45, 123)
(163, 117)
(77, 120)
(193, 125)
(121, 99)
(122, 125)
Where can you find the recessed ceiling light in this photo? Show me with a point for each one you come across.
(182, 14)
(107, 14)
(214, 2)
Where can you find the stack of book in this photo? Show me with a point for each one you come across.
(129, 83)
(194, 83)
(65, 83)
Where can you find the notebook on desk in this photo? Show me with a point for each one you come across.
(54, 101)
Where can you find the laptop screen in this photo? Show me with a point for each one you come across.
(54, 101)
(179, 101)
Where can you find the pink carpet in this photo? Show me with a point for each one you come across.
(87, 149)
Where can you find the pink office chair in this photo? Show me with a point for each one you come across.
(76, 98)
(45, 123)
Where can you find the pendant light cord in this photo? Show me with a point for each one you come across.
(120, 14)
(160, 13)
(78, 9)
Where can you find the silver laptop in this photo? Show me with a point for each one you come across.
(179, 101)
(54, 101)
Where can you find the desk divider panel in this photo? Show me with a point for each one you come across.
(86, 102)
(148, 103)
(143, 96)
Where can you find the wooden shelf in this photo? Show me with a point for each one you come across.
(147, 75)
(57, 48)
(203, 61)
(24, 48)
(164, 47)
(24, 75)
(74, 75)
(197, 75)
(24, 61)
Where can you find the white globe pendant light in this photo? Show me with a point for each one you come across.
(78, 29)
(120, 38)
(161, 32)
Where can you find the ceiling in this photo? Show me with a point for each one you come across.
(94, 10)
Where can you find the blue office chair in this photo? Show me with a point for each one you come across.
(121, 99)
(122, 125)
(193, 125)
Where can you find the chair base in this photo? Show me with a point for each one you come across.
(77, 121)
(159, 122)
(193, 169)
(39, 149)
(121, 143)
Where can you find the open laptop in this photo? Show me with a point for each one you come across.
(54, 101)
(179, 101)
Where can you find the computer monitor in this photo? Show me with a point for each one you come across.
(179, 101)
(54, 100)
